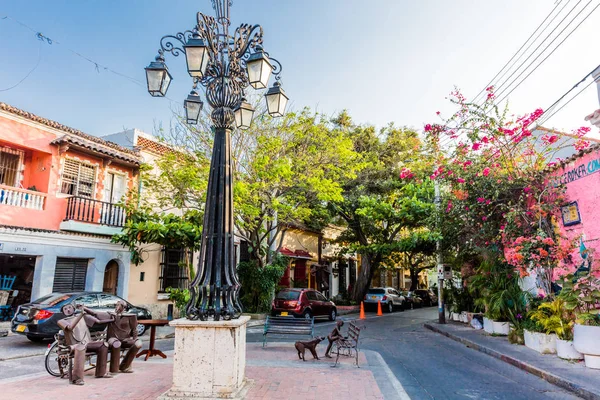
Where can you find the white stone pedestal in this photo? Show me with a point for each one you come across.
(210, 359)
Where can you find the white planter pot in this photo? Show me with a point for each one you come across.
(488, 325)
(455, 316)
(540, 342)
(495, 327)
(566, 350)
(586, 341)
(463, 317)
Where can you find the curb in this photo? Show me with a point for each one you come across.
(548, 377)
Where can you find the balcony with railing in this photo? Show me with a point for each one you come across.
(17, 197)
(93, 216)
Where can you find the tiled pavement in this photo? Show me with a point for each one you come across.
(274, 373)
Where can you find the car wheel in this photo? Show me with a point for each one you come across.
(390, 307)
(35, 339)
(307, 315)
(333, 314)
(141, 329)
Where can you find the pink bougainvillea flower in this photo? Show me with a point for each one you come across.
(527, 189)
(480, 199)
(486, 171)
(460, 180)
(485, 139)
(437, 113)
(449, 207)
(428, 128)
(484, 218)
(476, 146)
(406, 173)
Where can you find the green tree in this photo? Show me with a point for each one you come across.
(385, 216)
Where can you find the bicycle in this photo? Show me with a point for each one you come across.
(58, 355)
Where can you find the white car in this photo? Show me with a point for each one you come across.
(389, 297)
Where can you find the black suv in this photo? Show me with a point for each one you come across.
(38, 319)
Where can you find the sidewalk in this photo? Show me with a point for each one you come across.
(274, 373)
(571, 376)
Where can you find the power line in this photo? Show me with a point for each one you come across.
(523, 45)
(29, 73)
(546, 118)
(544, 40)
(97, 65)
(552, 52)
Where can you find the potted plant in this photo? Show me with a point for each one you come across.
(582, 296)
(557, 335)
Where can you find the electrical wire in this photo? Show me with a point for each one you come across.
(521, 48)
(544, 120)
(544, 40)
(37, 64)
(98, 66)
(552, 52)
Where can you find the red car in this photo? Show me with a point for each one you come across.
(303, 303)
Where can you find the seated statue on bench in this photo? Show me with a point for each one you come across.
(122, 334)
(78, 338)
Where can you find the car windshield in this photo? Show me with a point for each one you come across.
(288, 295)
(52, 299)
(376, 291)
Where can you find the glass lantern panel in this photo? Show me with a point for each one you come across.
(247, 117)
(238, 117)
(165, 83)
(255, 73)
(192, 111)
(265, 74)
(273, 104)
(196, 60)
(282, 104)
(154, 78)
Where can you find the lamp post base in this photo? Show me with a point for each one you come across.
(210, 359)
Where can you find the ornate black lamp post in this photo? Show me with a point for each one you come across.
(225, 65)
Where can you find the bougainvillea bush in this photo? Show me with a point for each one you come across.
(493, 168)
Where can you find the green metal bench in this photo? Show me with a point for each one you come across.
(288, 326)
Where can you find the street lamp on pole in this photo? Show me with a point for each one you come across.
(225, 65)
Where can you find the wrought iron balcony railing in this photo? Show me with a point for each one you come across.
(92, 211)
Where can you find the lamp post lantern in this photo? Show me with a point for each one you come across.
(224, 64)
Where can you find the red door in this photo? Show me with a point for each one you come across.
(300, 274)
(285, 279)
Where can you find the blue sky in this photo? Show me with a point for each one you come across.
(385, 61)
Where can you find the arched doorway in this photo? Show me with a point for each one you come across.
(111, 277)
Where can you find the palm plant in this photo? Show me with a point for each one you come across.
(554, 318)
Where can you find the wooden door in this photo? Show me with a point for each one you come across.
(111, 277)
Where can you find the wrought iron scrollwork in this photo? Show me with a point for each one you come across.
(215, 291)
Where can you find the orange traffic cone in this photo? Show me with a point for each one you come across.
(362, 310)
(379, 313)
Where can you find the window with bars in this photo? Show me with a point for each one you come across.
(10, 164)
(78, 178)
(173, 268)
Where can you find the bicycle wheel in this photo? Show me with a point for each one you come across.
(56, 363)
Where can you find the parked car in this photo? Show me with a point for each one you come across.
(412, 300)
(428, 296)
(303, 303)
(38, 319)
(389, 297)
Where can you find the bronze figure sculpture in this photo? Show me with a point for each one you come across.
(311, 345)
(334, 336)
(122, 334)
(78, 338)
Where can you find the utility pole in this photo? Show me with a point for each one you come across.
(440, 265)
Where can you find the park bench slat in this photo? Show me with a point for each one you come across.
(287, 326)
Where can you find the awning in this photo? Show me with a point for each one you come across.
(296, 253)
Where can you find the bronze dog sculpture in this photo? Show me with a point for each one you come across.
(310, 345)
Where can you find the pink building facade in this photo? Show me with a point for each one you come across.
(59, 206)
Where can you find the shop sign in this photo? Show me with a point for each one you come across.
(570, 214)
(581, 171)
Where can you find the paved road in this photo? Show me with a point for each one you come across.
(431, 366)
(428, 365)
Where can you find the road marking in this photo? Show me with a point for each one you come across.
(402, 395)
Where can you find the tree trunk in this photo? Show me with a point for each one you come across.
(368, 266)
(414, 279)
